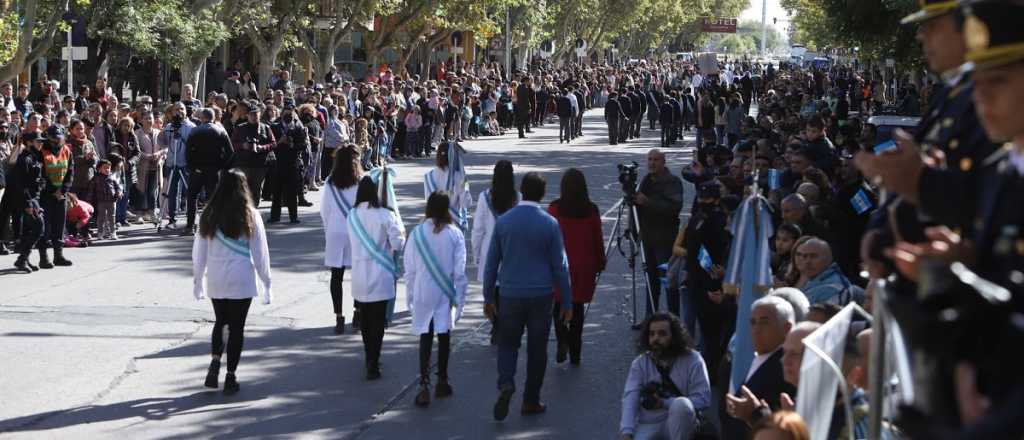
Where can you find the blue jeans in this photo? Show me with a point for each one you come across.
(515, 314)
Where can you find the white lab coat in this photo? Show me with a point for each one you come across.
(228, 274)
(422, 294)
(370, 282)
(460, 198)
(337, 249)
(483, 229)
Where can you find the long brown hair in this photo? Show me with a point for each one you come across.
(346, 170)
(789, 423)
(575, 200)
(230, 208)
(437, 210)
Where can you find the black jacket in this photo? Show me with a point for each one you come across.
(666, 114)
(766, 383)
(613, 111)
(564, 107)
(659, 217)
(208, 146)
(259, 135)
(294, 140)
(30, 175)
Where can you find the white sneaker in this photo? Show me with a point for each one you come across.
(113, 237)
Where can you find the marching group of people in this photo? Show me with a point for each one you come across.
(925, 227)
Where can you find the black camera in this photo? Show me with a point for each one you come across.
(628, 175)
(651, 395)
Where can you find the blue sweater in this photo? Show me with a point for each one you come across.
(527, 256)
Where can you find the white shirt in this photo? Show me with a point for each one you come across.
(574, 103)
(460, 198)
(228, 274)
(483, 229)
(337, 248)
(422, 294)
(758, 361)
(370, 282)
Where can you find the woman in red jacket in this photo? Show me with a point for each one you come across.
(580, 222)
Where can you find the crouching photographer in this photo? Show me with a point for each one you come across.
(667, 387)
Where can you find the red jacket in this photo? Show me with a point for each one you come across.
(584, 245)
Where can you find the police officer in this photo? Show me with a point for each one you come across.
(29, 173)
(253, 141)
(59, 171)
(949, 136)
(293, 141)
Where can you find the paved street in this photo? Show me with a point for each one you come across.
(117, 346)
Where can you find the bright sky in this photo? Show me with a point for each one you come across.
(774, 11)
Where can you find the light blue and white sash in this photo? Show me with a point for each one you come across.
(385, 194)
(339, 199)
(458, 214)
(376, 252)
(238, 246)
(441, 279)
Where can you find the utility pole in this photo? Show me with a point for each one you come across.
(764, 25)
(71, 62)
(508, 41)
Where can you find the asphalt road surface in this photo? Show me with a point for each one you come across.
(116, 346)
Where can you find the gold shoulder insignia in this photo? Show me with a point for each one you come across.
(976, 34)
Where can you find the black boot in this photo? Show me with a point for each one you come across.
(58, 258)
(372, 370)
(22, 264)
(230, 384)
(213, 374)
(339, 326)
(423, 398)
(356, 322)
(443, 388)
(44, 259)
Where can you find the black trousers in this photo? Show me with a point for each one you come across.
(655, 252)
(371, 328)
(337, 275)
(199, 180)
(522, 123)
(565, 130)
(638, 122)
(32, 228)
(230, 313)
(666, 135)
(717, 323)
(255, 176)
(54, 219)
(569, 334)
(10, 216)
(577, 124)
(613, 132)
(286, 193)
(624, 127)
(444, 347)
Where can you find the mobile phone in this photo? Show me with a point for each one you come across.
(885, 146)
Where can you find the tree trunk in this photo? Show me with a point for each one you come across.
(268, 59)
(190, 71)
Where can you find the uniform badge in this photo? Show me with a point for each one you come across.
(976, 34)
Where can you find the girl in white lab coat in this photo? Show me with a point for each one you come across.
(229, 253)
(450, 176)
(336, 201)
(492, 203)
(435, 279)
(375, 235)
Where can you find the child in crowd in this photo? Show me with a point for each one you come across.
(105, 190)
(79, 214)
(786, 236)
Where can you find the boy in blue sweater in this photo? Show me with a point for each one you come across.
(527, 259)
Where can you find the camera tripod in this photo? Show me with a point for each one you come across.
(630, 234)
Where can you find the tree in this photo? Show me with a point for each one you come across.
(33, 24)
(342, 15)
(823, 24)
(267, 24)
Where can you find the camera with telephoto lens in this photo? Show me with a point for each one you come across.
(628, 175)
(651, 395)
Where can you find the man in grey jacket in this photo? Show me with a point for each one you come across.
(667, 387)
